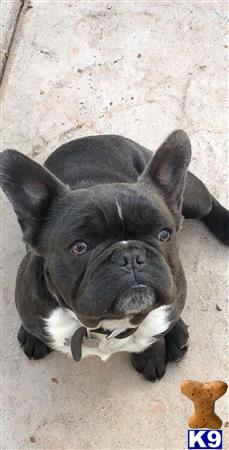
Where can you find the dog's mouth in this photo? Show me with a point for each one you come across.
(125, 313)
(131, 309)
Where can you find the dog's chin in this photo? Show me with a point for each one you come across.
(137, 300)
(134, 305)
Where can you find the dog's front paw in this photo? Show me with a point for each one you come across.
(32, 346)
(177, 342)
(152, 362)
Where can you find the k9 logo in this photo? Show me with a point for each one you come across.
(207, 439)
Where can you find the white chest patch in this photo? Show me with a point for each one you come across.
(62, 324)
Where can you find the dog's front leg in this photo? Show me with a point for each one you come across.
(152, 362)
(177, 341)
(171, 348)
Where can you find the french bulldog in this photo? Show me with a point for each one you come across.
(102, 273)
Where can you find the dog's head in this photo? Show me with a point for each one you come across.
(110, 251)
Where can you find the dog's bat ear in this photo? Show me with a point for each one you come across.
(30, 188)
(168, 167)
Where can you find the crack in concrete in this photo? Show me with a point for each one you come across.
(25, 5)
(185, 96)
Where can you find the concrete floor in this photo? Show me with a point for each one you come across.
(140, 69)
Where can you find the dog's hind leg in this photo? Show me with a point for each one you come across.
(198, 203)
(218, 221)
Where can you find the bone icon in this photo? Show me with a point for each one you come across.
(204, 396)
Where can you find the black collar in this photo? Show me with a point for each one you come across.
(82, 333)
(123, 335)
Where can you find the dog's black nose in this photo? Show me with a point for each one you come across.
(132, 258)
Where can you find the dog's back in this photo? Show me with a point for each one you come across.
(98, 159)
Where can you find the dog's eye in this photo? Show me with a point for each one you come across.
(78, 248)
(164, 235)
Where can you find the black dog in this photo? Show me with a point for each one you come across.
(102, 272)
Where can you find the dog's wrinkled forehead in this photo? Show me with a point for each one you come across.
(110, 211)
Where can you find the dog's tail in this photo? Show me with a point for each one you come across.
(217, 221)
